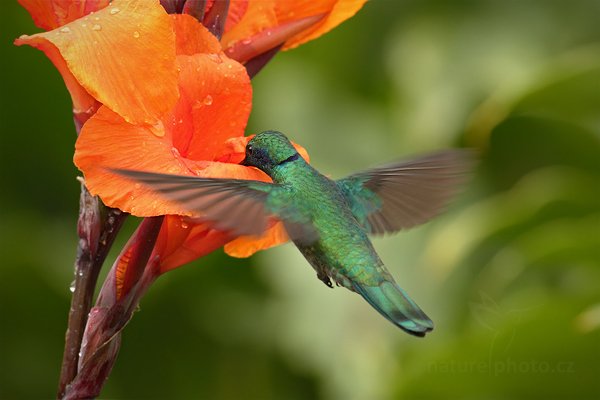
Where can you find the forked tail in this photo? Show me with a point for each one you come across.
(393, 303)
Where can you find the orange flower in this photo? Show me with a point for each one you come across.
(202, 135)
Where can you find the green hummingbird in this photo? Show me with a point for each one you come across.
(329, 221)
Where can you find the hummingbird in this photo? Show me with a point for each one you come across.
(329, 221)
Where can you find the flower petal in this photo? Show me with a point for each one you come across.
(215, 103)
(245, 246)
(236, 11)
(338, 12)
(192, 37)
(182, 241)
(264, 16)
(50, 14)
(123, 55)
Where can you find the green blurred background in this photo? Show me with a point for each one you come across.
(511, 274)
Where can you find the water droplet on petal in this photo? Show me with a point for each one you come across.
(208, 100)
(72, 287)
(114, 11)
(246, 41)
(66, 29)
(158, 129)
(184, 224)
(215, 58)
(96, 27)
(136, 34)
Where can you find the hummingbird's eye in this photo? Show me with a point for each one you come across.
(249, 148)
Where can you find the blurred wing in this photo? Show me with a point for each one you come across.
(402, 195)
(231, 204)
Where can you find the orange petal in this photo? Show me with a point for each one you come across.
(123, 55)
(263, 15)
(245, 246)
(215, 103)
(181, 241)
(192, 37)
(236, 11)
(50, 14)
(338, 12)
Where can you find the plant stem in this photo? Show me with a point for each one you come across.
(97, 228)
(102, 336)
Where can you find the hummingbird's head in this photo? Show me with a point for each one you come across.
(269, 149)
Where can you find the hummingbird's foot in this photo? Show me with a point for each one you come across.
(325, 279)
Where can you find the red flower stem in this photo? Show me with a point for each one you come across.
(97, 228)
(214, 19)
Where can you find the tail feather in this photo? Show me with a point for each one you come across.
(394, 304)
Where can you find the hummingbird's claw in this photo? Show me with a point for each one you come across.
(325, 279)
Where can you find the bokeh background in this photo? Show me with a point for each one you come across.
(511, 274)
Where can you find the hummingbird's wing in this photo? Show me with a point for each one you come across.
(402, 195)
(239, 206)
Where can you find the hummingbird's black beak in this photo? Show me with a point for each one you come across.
(244, 162)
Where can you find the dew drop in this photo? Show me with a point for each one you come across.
(208, 100)
(158, 129)
(246, 41)
(215, 58)
(136, 34)
(72, 287)
(96, 27)
(114, 11)
(66, 29)
(184, 225)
